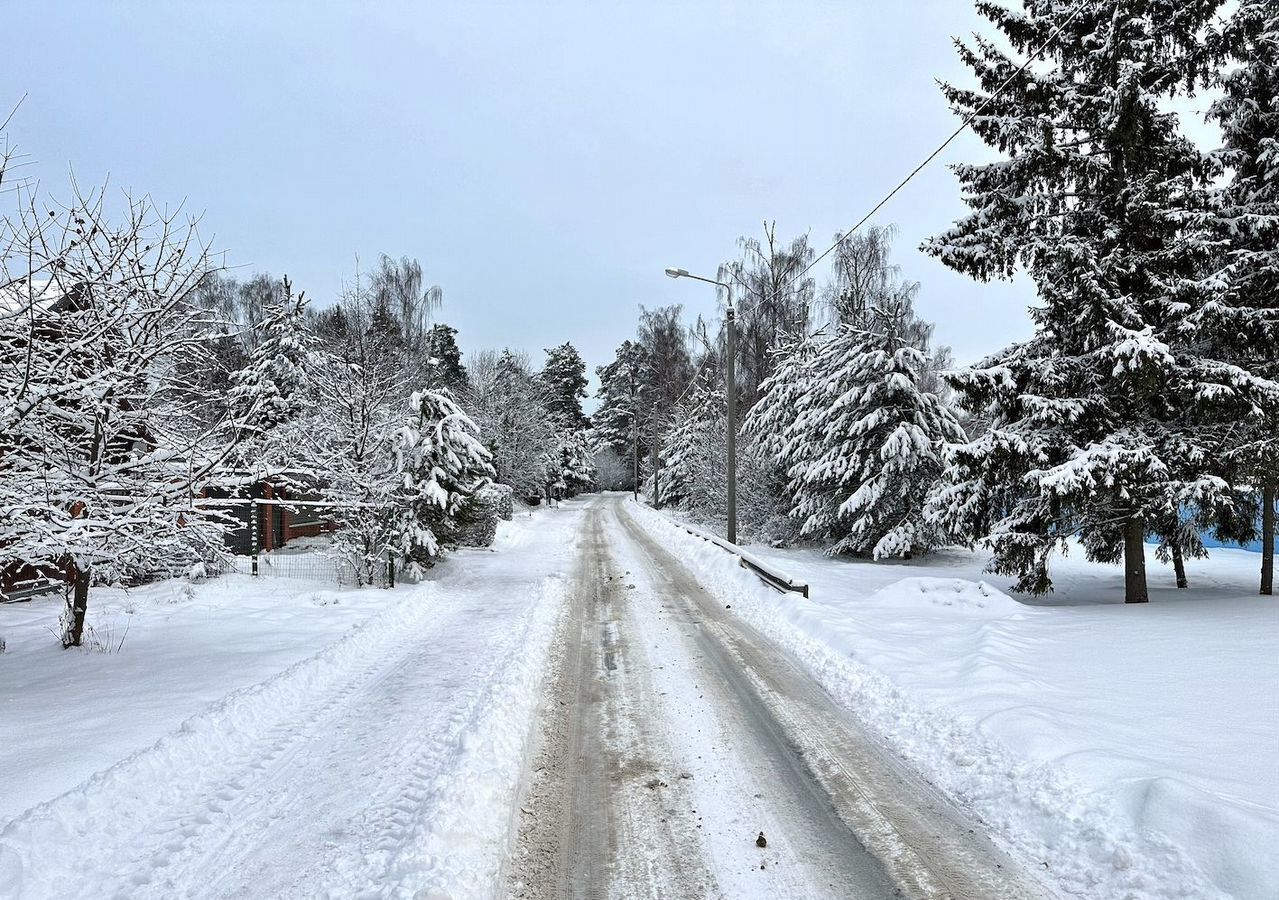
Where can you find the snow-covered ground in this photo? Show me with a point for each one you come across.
(376, 737)
(1127, 751)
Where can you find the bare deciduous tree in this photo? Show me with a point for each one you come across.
(101, 451)
(774, 298)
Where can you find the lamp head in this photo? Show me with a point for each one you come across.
(676, 273)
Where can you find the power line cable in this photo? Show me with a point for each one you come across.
(968, 120)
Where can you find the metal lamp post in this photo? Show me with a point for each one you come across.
(732, 395)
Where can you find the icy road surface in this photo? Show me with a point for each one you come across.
(674, 735)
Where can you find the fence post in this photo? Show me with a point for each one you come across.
(253, 532)
(390, 568)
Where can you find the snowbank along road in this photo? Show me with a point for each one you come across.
(674, 737)
(571, 716)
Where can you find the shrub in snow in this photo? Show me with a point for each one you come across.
(441, 464)
(502, 498)
(479, 525)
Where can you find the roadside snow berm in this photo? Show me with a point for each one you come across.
(766, 572)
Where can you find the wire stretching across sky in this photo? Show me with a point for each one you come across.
(968, 120)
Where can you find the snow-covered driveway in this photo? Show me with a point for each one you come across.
(384, 766)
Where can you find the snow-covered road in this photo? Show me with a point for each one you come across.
(673, 735)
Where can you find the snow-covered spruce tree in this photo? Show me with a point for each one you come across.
(784, 396)
(1241, 323)
(442, 463)
(862, 451)
(624, 395)
(691, 469)
(1087, 429)
(271, 394)
(100, 454)
(445, 358)
(564, 378)
(574, 462)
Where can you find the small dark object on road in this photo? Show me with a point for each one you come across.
(728, 606)
(761, 841)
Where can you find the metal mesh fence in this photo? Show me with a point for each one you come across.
(295, 539)
(315, 560)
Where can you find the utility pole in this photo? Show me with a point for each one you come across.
(657, 494)
(634, 432)
(732, 418)
(731, 391)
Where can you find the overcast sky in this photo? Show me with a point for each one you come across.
(543, 161)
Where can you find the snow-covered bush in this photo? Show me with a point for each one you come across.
(502, 499)
(441, 464)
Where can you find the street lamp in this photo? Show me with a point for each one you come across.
(732, 395)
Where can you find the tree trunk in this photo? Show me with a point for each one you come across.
(1268, 539)
(74, 632)
(1135, 561)
(1179, 564)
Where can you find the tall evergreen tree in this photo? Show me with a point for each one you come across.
(694, 464)
(574, 467)
(445, 358)
(441, 463)
(271, 391)
(564, 378)
(1088, 417)
(1242, 323)
(859, 441)
(624, 395)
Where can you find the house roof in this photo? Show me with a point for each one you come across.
(43, 295)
